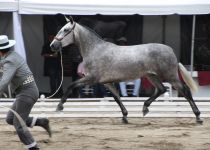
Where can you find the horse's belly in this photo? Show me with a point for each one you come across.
(118, 75)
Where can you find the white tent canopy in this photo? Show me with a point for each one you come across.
(107, 7)
(8, 5)
(114, 7)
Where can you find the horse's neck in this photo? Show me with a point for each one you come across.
(85, 39)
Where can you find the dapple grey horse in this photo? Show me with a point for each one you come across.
(105, 63)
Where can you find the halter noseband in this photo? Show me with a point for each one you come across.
(59, 39)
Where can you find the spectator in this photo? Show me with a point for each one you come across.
(136, 88)
(52, 68)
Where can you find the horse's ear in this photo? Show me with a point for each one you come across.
(67, 19)
(71, 19)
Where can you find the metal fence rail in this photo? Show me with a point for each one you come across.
(107, 107)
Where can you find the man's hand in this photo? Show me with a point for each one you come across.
(54, 55)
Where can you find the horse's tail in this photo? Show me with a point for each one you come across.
(187, 78)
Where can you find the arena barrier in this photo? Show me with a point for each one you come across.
(107, 107)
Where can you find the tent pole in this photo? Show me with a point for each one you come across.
(18, 35)
(192, 45)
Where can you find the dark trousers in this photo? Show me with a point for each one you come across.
(55, 80)
(22, 105)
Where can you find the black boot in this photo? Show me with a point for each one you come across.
(44, 123)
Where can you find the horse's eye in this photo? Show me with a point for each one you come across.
(66, 30)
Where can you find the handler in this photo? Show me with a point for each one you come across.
(17, 72)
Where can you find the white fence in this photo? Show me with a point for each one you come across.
(107, 107)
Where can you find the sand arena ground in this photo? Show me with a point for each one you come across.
(111, 134)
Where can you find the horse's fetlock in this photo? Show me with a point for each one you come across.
(146, 103)
(125, 113)
(197, 113)
(63, 100)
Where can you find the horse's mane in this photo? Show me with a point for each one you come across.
(88, 22)
(91, 30)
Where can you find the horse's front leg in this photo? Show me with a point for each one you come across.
(116, 96)
(65, 96)
(81, 82)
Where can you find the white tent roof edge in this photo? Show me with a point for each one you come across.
(113, 10)
(8, 5)
(108, 7)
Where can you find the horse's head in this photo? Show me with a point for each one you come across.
(65, 36)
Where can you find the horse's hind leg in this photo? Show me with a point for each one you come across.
(185, 91)
(81, 82)
(116, 96)
(159, 89)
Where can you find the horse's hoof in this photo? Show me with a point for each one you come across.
(145, 110)
(125, 120)
(59, 107)
(199, 121)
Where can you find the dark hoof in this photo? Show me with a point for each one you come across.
(145, 110)
(59, 107)
(124, 119)
(199, 121)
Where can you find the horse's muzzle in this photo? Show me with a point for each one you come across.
(56, 46)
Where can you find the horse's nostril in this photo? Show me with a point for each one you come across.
(56, 46)
(52, 46)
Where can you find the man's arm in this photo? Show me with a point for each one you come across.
(9, 70)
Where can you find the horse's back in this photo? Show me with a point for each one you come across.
(159, 51)
(152, 51)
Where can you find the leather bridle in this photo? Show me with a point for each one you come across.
(60, 39)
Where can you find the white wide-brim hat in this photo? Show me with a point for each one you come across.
(5, 42)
